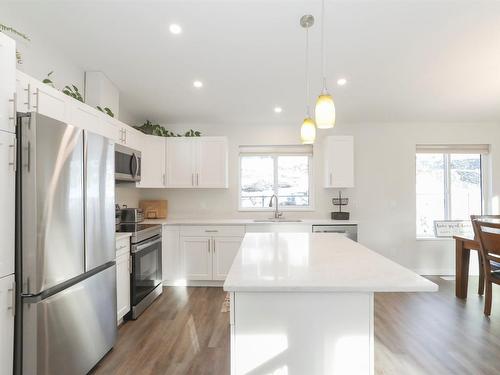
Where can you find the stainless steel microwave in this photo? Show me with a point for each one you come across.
(127, 164)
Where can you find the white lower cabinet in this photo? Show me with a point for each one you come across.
(122, 278)
(7, 293)
(224, 249)
(207, 253)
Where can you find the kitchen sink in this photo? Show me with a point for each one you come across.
(277, 220)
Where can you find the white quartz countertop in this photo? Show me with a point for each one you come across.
(245, 222)
(316, 262)
(122, 235)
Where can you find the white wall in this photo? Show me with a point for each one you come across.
(40, 56)
(383, 200)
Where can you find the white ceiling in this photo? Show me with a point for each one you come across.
(404, 60)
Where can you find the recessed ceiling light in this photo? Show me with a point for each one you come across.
(175, 29)
(341, 81)
(278, 109)
(198, 84)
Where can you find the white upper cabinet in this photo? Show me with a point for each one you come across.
(199, 162)
(7, 201)
(7, 84)
(180, 163)
(48, 101)
(211, 162)
(339, 162)
(85, 117)
(152, 162)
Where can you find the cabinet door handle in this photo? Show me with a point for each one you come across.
(330, 178)
(13, 307)
(197, 184)
(13, 163)
(163, 179)
(14, 108)
(28, 102)
(209, 245)
(37, 93)
(213, 244)
(192, 179)
(125, 135)
(211, 230)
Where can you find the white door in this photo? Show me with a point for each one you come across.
(133, 138)
(211, 162)
(122, 285)
(85, 117)
(50, 102)
(7, 201)
(180, 163)
(153, 162)
(224, 251)
(339, 162)
(23, 90)
(7, 292)
(197, 257)
(7, 83)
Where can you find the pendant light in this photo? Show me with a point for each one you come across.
(308, 128)
(325, 108)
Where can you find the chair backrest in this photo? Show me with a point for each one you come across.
(488, 235)
(480, 217)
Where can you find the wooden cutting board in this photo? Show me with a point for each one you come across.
(154, 209)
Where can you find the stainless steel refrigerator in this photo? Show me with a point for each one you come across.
(66, 247)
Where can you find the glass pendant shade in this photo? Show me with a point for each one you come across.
(308, 131)
(325, 112)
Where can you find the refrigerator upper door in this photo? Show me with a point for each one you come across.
(70, 331)
(100, 198)
(52, 203)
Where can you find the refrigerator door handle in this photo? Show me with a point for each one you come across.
(13, 291)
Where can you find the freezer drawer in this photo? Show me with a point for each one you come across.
(70, 331)
(348, 230)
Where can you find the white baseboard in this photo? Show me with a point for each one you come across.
(200, 283)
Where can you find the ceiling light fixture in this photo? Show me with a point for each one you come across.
(198, 84)
(325, 108)
(175, 29)
(308, 128)
(278, 109)
(341, 81)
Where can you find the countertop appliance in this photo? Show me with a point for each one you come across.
(127, 164)
(131, 215)
(65, 247)
(349, 230)
(145, 250)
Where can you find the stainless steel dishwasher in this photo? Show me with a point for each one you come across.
(349, 230)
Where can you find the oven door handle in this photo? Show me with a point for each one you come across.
(136, 249)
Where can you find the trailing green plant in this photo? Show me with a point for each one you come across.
(9, 29)
(156, 129)
(73, 92)
(48, 80)
(106, 110)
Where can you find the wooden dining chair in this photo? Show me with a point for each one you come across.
(488, 235)
(480, 285)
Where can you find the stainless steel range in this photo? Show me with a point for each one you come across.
(145, 249)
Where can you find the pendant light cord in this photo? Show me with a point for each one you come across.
(307, 73)
(323, 58)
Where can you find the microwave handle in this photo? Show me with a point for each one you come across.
(133, 170)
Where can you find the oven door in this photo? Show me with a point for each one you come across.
(146, 268)
(127, 164)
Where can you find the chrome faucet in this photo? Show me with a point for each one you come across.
(277, 214)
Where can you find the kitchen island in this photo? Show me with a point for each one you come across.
(302, 303)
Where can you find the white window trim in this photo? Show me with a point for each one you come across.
(281, 208)
(485, 187)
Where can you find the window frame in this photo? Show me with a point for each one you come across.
(275, 156)
(484, 168)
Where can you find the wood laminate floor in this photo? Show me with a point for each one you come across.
(184, 332)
